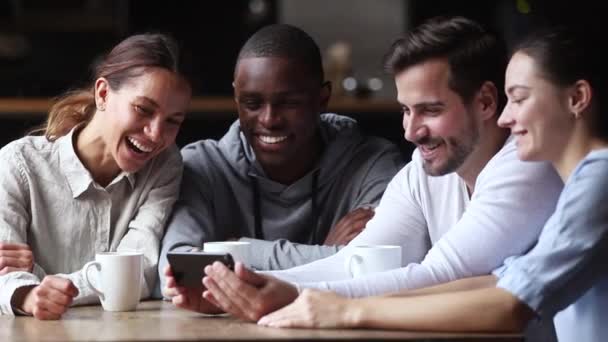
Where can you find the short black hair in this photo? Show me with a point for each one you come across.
(287, 41)
(473, 53)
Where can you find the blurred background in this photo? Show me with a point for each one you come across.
(47, 47)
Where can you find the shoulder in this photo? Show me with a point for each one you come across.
(378, 145)
(165, 168)
(205, 151)
(337, 122)
(590, 178)
(594, 165)
(169, 158)
(28, 144)
(26, 156)
(202, 153)
(29, 150)
(506, 166)
(515, 183)
(344, 142)
(339, 128)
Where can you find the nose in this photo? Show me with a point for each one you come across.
(154, 129)
(506, 119)
(414, 128)
(270, 116)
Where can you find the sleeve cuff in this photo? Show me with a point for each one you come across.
(522, 287)
(19, 312)
(8, 290)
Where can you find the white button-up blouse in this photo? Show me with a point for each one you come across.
(49, 201)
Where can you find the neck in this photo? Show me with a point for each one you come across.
(491, 140)
(580, 143)
(94, 155)
(298, 166)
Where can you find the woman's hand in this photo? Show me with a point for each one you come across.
(15, 257)
(47, 301)
(314, 309)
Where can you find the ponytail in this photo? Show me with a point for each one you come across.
(68, 111)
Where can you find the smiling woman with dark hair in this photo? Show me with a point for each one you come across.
(103, 177)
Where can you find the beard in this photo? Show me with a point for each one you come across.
(458, 150)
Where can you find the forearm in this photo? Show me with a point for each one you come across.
(487, 309)
(464, 284)
(282, 254)
(184, 233)
(330, 268)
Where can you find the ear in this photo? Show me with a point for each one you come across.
(101, 93)
(487, 100)
(325, 95)
(234, 95)
(579, 97)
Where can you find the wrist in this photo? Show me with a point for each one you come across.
(294, 292)
(354, 313)
(18, 300)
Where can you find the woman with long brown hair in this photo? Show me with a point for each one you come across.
(103, 177)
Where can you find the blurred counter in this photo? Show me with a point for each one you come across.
(207, 107)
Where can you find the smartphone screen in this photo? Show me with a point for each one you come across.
(189, 267)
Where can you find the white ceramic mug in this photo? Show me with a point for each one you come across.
(372, 258)
(238, 249)
(120, 277)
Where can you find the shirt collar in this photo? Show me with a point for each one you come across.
(78, 177)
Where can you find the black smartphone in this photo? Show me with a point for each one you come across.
(189, 267)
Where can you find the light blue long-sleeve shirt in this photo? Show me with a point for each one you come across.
(565, 276)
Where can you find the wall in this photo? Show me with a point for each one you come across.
(369, 26)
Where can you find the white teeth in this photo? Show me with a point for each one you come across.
(272, 140)
(140, 146)
(430, 147)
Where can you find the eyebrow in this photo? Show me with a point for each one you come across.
(179, 114)
(425, 104)
(153, 103)
(148, 100)
(514, 87)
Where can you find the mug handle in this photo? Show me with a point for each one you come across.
(85, 269)
(349, 263)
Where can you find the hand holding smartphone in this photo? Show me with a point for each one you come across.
(189, 267)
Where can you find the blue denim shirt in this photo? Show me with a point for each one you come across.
(565, 275)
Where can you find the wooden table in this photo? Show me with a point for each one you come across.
(161, 321)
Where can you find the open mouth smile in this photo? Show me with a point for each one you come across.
(268, 139)
(139, 146)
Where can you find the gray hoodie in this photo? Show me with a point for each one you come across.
(218, 197)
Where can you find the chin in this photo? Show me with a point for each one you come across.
(435, 169)
(528, 155)
(272, 161)
(131, 167)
